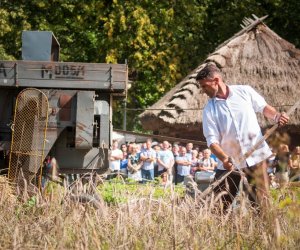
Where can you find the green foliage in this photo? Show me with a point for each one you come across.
(161, 40)
(32, 201)
(115, 191)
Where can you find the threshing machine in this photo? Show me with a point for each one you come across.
(61, 109)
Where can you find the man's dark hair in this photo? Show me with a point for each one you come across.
(207, 72)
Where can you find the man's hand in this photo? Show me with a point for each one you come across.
(228, 164)
(281, 118)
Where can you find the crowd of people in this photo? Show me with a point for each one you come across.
(143, 162)
(172, 163)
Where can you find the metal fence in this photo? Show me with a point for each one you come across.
(28, 137)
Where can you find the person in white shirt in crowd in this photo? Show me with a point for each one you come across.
(207, 163)
(183, 165)
(115, 156)
(148, 156)
(165, 160)
(231, 129)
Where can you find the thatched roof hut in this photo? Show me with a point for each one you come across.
(255, 56)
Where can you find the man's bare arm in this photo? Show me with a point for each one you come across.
(271, 113)
(224, 158)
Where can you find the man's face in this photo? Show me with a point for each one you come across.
(209, 86)
(206, 154)
(148, 144)
(189, 146)
(115, 145)
(165, 145)
(183, 151)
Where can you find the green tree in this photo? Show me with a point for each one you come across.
(161, 40)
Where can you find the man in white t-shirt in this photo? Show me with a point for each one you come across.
(148, 157)
(165, 160)
(115, 157)
(231, 129)
(183, 165)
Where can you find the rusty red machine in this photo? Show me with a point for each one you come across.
(64, 108)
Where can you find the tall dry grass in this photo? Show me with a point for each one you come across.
(55, 220)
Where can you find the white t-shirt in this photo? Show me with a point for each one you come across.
(183, 170)
(115, 165)
(148, 153)
(207, 162)
(232, 123)
(166, 156)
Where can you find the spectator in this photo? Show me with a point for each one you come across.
(165, 160)
(270, 163)
(165, 179)
(139, 148)
(134, 164)
(183, 165)
(295, 165)
(46, 170)
(273, 183)
(156, 148)
(148, 156)
(189, 149)
(175, 151)
(207, 163)
(124, 150)
(124, 162)
(144, 146)
(115, 157)
(195, 162)
(51, 169)
(282, 164)
(54, 168)
(200, 155)
(129, 148)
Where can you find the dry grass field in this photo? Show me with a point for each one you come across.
(129, 216)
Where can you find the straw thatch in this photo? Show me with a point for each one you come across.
(255, 56)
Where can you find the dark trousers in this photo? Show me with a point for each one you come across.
(180, 179)
(230, 187)
(175, 174)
